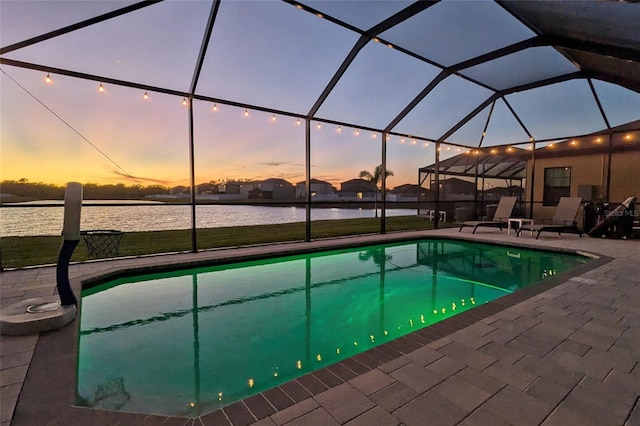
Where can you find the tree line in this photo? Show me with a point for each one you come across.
(46, 191)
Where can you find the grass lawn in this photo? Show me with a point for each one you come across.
(17, 252)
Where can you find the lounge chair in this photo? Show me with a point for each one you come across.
(564, 219)
(499, 219)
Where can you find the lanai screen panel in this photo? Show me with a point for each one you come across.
(449, 102)
(526, 66)
(471, 133)
(377, 86)
(233, 145)
(565, 109)
(271, 54)
(362, 14)
(447, 32)
(339, 154)
(503, 127)
(106, 137)
(620, 105)
(21, 20)
(157, 45)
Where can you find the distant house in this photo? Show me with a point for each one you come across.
(207, 188)
(497, 192)
(455, 186)
(409, 192)
(357, 188)
(279, 188)
(319, 188)
(237, 187)
(259, 194)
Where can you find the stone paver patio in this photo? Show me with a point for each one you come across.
(567, 353)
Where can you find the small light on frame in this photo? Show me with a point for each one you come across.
(48, 79)
(246, 112)
(510, 149)
(627, 137)
(298, 121)
(101, 88)
(339, 129)
(145, 96)
(273, 117)
(319, 126)
(215, 107)
(357, 132)
(184, 101)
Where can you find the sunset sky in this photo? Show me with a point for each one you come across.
(271, 54)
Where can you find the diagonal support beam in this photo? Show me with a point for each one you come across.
(77, 26)
(432, 85)
(203, 47)
(362, 41)
(469, 116)
(517, 117)
(403, 15)
(597, 99)
(499, 53)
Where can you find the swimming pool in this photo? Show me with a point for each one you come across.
(187, 342)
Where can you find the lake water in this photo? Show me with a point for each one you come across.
(31, 221)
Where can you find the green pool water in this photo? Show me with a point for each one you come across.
(187, 342)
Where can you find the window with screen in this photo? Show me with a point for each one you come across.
(557, 183)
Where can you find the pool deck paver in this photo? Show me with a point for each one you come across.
(567, 355)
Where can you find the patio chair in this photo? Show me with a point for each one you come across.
(564, 219)
(499, 219)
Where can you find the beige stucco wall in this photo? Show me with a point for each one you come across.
(588, 170)
(625, 176)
